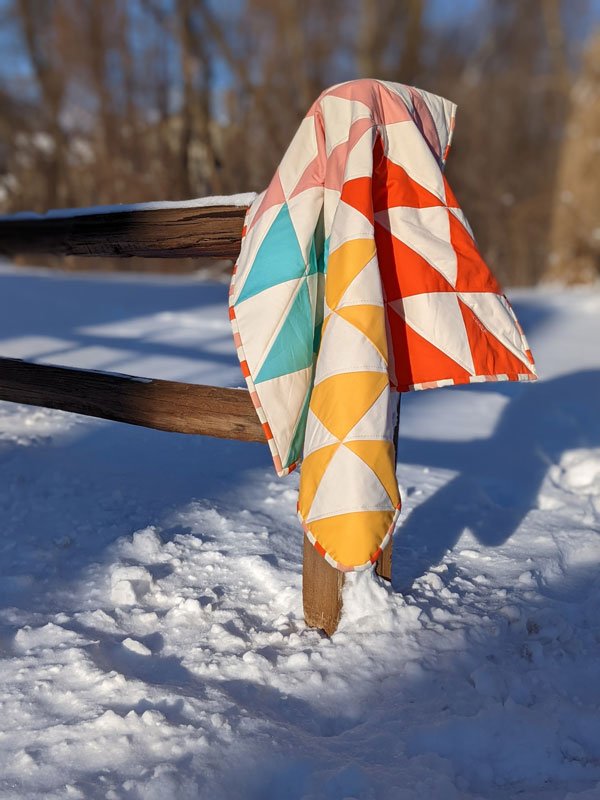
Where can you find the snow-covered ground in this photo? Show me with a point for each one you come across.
(151, 634)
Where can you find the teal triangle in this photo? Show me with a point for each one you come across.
(278, 259)
(313, 261)
(325, 257)
(292, 350)
(316, 258)
(317, 337)
(297, 443)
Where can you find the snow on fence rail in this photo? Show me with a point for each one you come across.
(204, 227)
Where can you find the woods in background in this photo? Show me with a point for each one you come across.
(118, 101)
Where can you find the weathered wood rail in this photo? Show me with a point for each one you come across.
(187, 231)
(164, 405)
(172, 232)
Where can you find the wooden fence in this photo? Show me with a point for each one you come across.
(147, 231)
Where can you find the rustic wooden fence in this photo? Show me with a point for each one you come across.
(171, 232)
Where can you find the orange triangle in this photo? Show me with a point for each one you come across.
(342, 400)
(417, 360)
(393, 186)
(490, 356)
(473, 274)
(352, 539)
(403, 271)
(311, 473)
(370, 320)
(380, 456)
(451, 200)
(357, 193)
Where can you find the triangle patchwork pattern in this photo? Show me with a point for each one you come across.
(358, 479)
(344, 265)
(393, 186)
(427, 232)
(292, 349)
(380, 457)
(340, 401)
(359, 276)
(268, 267)
(417, 361)
(436, 316)
(370, 321)
(414, 275)
(496, 341)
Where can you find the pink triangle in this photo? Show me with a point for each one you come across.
(388, 107)
(365, 90)
(273, 196)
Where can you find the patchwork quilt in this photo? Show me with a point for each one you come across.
(359, 278)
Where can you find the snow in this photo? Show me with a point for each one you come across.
(244, 199)
(151, 635)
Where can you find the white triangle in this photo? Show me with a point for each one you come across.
(496, 317)
(304, 210)
(405, 145)
(378, 421)
(436, 316)
(365, 289)
(317, 435)
(402, 92)
(359, 161)
(427, 232)
(339, 114)
(442, 112)
(301, 151)
(346, 349)
(348, 223)
(282, 400)
(347, 485)
(254, 207)
(259, 319)
(462, 219)
(331, 199)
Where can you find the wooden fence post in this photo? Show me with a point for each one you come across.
(383, 565)
(321, 591)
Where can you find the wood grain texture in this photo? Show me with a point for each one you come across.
(322, 587)
(211, 231)
(383, 565)
(164, 405)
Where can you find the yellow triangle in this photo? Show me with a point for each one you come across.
(380, 456)
(313, 469)
(343, 266)
(352, 539)
(342, 400)
(370, 320)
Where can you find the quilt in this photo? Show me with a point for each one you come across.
(359, 278)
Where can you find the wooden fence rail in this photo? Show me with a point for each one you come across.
(164, 405)
(176, 232)
(173, 232)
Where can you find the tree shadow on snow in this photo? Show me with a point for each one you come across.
(67, 320)
(499, 478)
